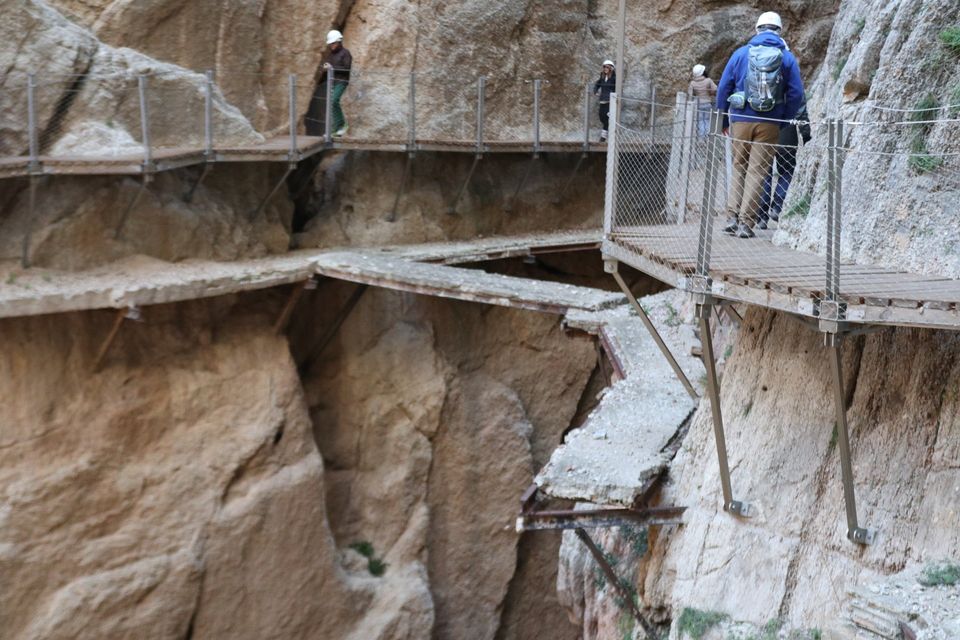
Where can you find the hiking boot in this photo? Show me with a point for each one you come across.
(743, 231)
(603, 136)
(762, 225)
(774, 215)
(731, 227)
(339, 133)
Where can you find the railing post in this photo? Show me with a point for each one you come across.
(613, 168)
(208, 116)
(838, 213)
(481, 91)
(412, 141)
(831, 203)
(653, 112)
(145, 122)
(292, 82)
(709, 193)
(586, 117)
(536, 116)
(328, 112)
(34, 140)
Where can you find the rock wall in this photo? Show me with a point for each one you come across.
(180, 492)
(792, 561)
(432, 417)
(886, 55)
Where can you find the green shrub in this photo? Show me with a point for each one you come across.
(940, 574)
(950, 37)
(920, 159)
(364, 548)
(695, 623)
(800, 208)
(858, 26)
(639, 539)
(377, 567)
(839, 67)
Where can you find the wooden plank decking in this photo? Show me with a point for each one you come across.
(756, 271)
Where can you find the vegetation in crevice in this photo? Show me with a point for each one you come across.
(376, 566)
(695, 623)
(942, 574)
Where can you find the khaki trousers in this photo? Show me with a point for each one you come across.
(754, 145)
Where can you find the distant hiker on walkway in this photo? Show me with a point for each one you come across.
(703, 90)
(338, 62)
(761, 90)
(772, 203)
(602, 88)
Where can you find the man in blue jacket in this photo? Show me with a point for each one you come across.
(760, 90)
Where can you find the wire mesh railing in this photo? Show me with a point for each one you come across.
(157, 115)
(829, 213)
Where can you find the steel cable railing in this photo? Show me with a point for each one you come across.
(829, 222)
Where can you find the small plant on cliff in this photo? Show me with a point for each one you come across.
(950, 37)
(858, 26)
(673, 318)
(695, 623)
(800, 208)
(364, 548)
(940, 574)
(638, 538)
(839, 67)
(376, 566)
(920, 159)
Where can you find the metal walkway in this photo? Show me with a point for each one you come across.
(56, 131)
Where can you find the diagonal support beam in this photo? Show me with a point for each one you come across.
(122, 314)
(188, 196)
(508, 205)
(145, 180)
(407, 166)
(855, 533)
(28, 236)
(263, 203)
(611, 267)
(616, 583)
(463, 189)
(566, 186)
(295, 294)
(735, 507)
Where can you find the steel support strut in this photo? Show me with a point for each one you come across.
(611, 266)
(615, 582)
(735, 507)
(392, 214)
(855, 533)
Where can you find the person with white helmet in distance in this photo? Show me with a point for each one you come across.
(703, 90)
(338, 62)
(760, 91)
(602, 88)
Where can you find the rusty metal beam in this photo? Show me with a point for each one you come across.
(118, 319)
(615, 582)
(599, 518)
(295, 294)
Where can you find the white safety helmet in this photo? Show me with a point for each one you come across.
(699, 70)
(609, 63)
(334, 36)
(769, 21)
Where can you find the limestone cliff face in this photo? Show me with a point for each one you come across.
(432, 418)
(792, 561)
(884, 60)
(198, 486)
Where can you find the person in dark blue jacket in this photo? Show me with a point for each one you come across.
(602, 88)
(761, 91)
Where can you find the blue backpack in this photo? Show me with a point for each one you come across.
(764, 83)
